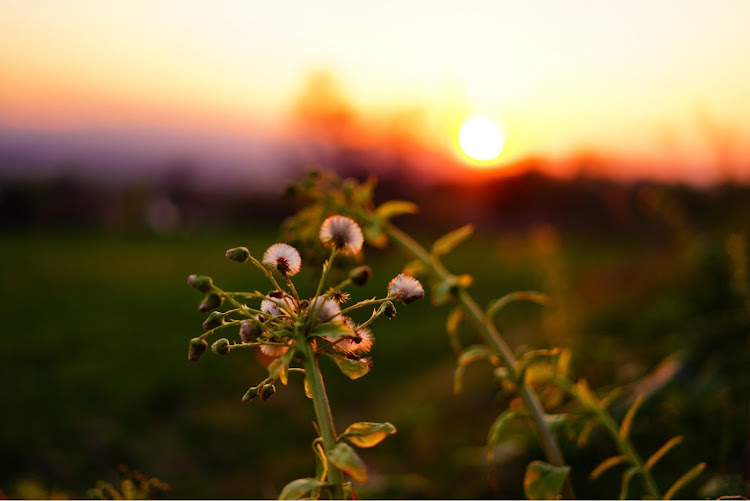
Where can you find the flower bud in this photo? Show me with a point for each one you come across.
(388, 309)
(239, 254)
(214, 320)
(250, 394)
(360, 275)
(210, 302)
(201, 282)
(197, 347)
(267, 391)
(221, 346)
(250, 330)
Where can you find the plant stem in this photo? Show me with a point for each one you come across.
(493, 338)
(323, 415)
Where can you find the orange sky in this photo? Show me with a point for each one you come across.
(648, 83)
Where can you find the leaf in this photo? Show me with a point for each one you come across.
(544, 481)
(499, 426)
(321, 461)
(451, 326)
(534, 357)
(375, 235)
(469, 355)
(499, 304)
(449, 241)
(367, 434)
(656, 456)
(333, 329)
(586, 432)
(606, 465)
(308, 390)
(626, 478)
(611, 396)
(684, 480)
(627, 421)
(353, 369)
(393, 208)
(279, 368)
(415, 268)
(585, 395)
(300, 488)
(347, 460)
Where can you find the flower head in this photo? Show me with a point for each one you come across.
(272, 350)
(328, 308)
(275, 306)
(361, 345)
(406, 288)
(283, 258)
(342, 233)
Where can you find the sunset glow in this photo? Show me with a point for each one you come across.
(481, 140)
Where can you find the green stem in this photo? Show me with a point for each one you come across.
(323, 415)
(493, 338)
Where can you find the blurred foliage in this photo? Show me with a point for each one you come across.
(95, 371)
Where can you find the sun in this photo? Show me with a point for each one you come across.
(481, 140)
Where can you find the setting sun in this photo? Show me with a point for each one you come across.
(481, 139)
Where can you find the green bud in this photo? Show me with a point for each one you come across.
(388, 309)
(360, 275)
(251, 394)
(239, 254)
(210, 302)
(214, 320)
(221, 346)
(267, 391)
(197, 347)
(250, 330)
(201, 282)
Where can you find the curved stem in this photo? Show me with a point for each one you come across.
(323, 415)
(493, 338)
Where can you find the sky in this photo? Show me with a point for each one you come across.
(659, 87)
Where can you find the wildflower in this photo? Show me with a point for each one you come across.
(362, 344)
(284, 258)
(342, 233)
(406, 288)
(277, 304)
(340, 297)
(329, 308)
(272, 350)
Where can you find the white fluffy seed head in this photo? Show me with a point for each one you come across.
(273, 350)
(283, 258)
(352, 345)
(275, 306)
(406, 288)
(329, 308)
(342, 233)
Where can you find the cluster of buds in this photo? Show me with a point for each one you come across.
(279, 322)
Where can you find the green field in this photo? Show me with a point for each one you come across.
(95, 374)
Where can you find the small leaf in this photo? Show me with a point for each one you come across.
(308, 390)
(626, 478)
(300, 488)
(627, 421)
(684, 480)
(586, 432)
(469, 355)
(656, 456)
(321, 461)
(367, 434)
(375, 235)
(279, 368)
(451, 326)
(393, 208)
(585, 395)
(415, 268)
(611, 396)
(347, 460)
(535, 357)
(499, 426)
(449, 241)
(544, 481)
(353, 369)
(606, 465)
(499, 304)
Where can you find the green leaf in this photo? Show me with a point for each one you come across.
(585, 395)
(321, 461)
(499, 426)
(606, 465)
(300, 488)
(627, 421)
(544, 481)
(367, 434)
(375, 235)
(626, 478)
(499, 304)
(333, 329)
(449, 241)
(415, 268)
(279, 368)
(447, 288)
(353, 369)
(535, 357)
(469, 355)
(393, 208)
(684, 480)
(656, 456)
(583, 437)
(308, 389)
(347, 460)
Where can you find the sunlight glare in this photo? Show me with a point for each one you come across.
(481, 139)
